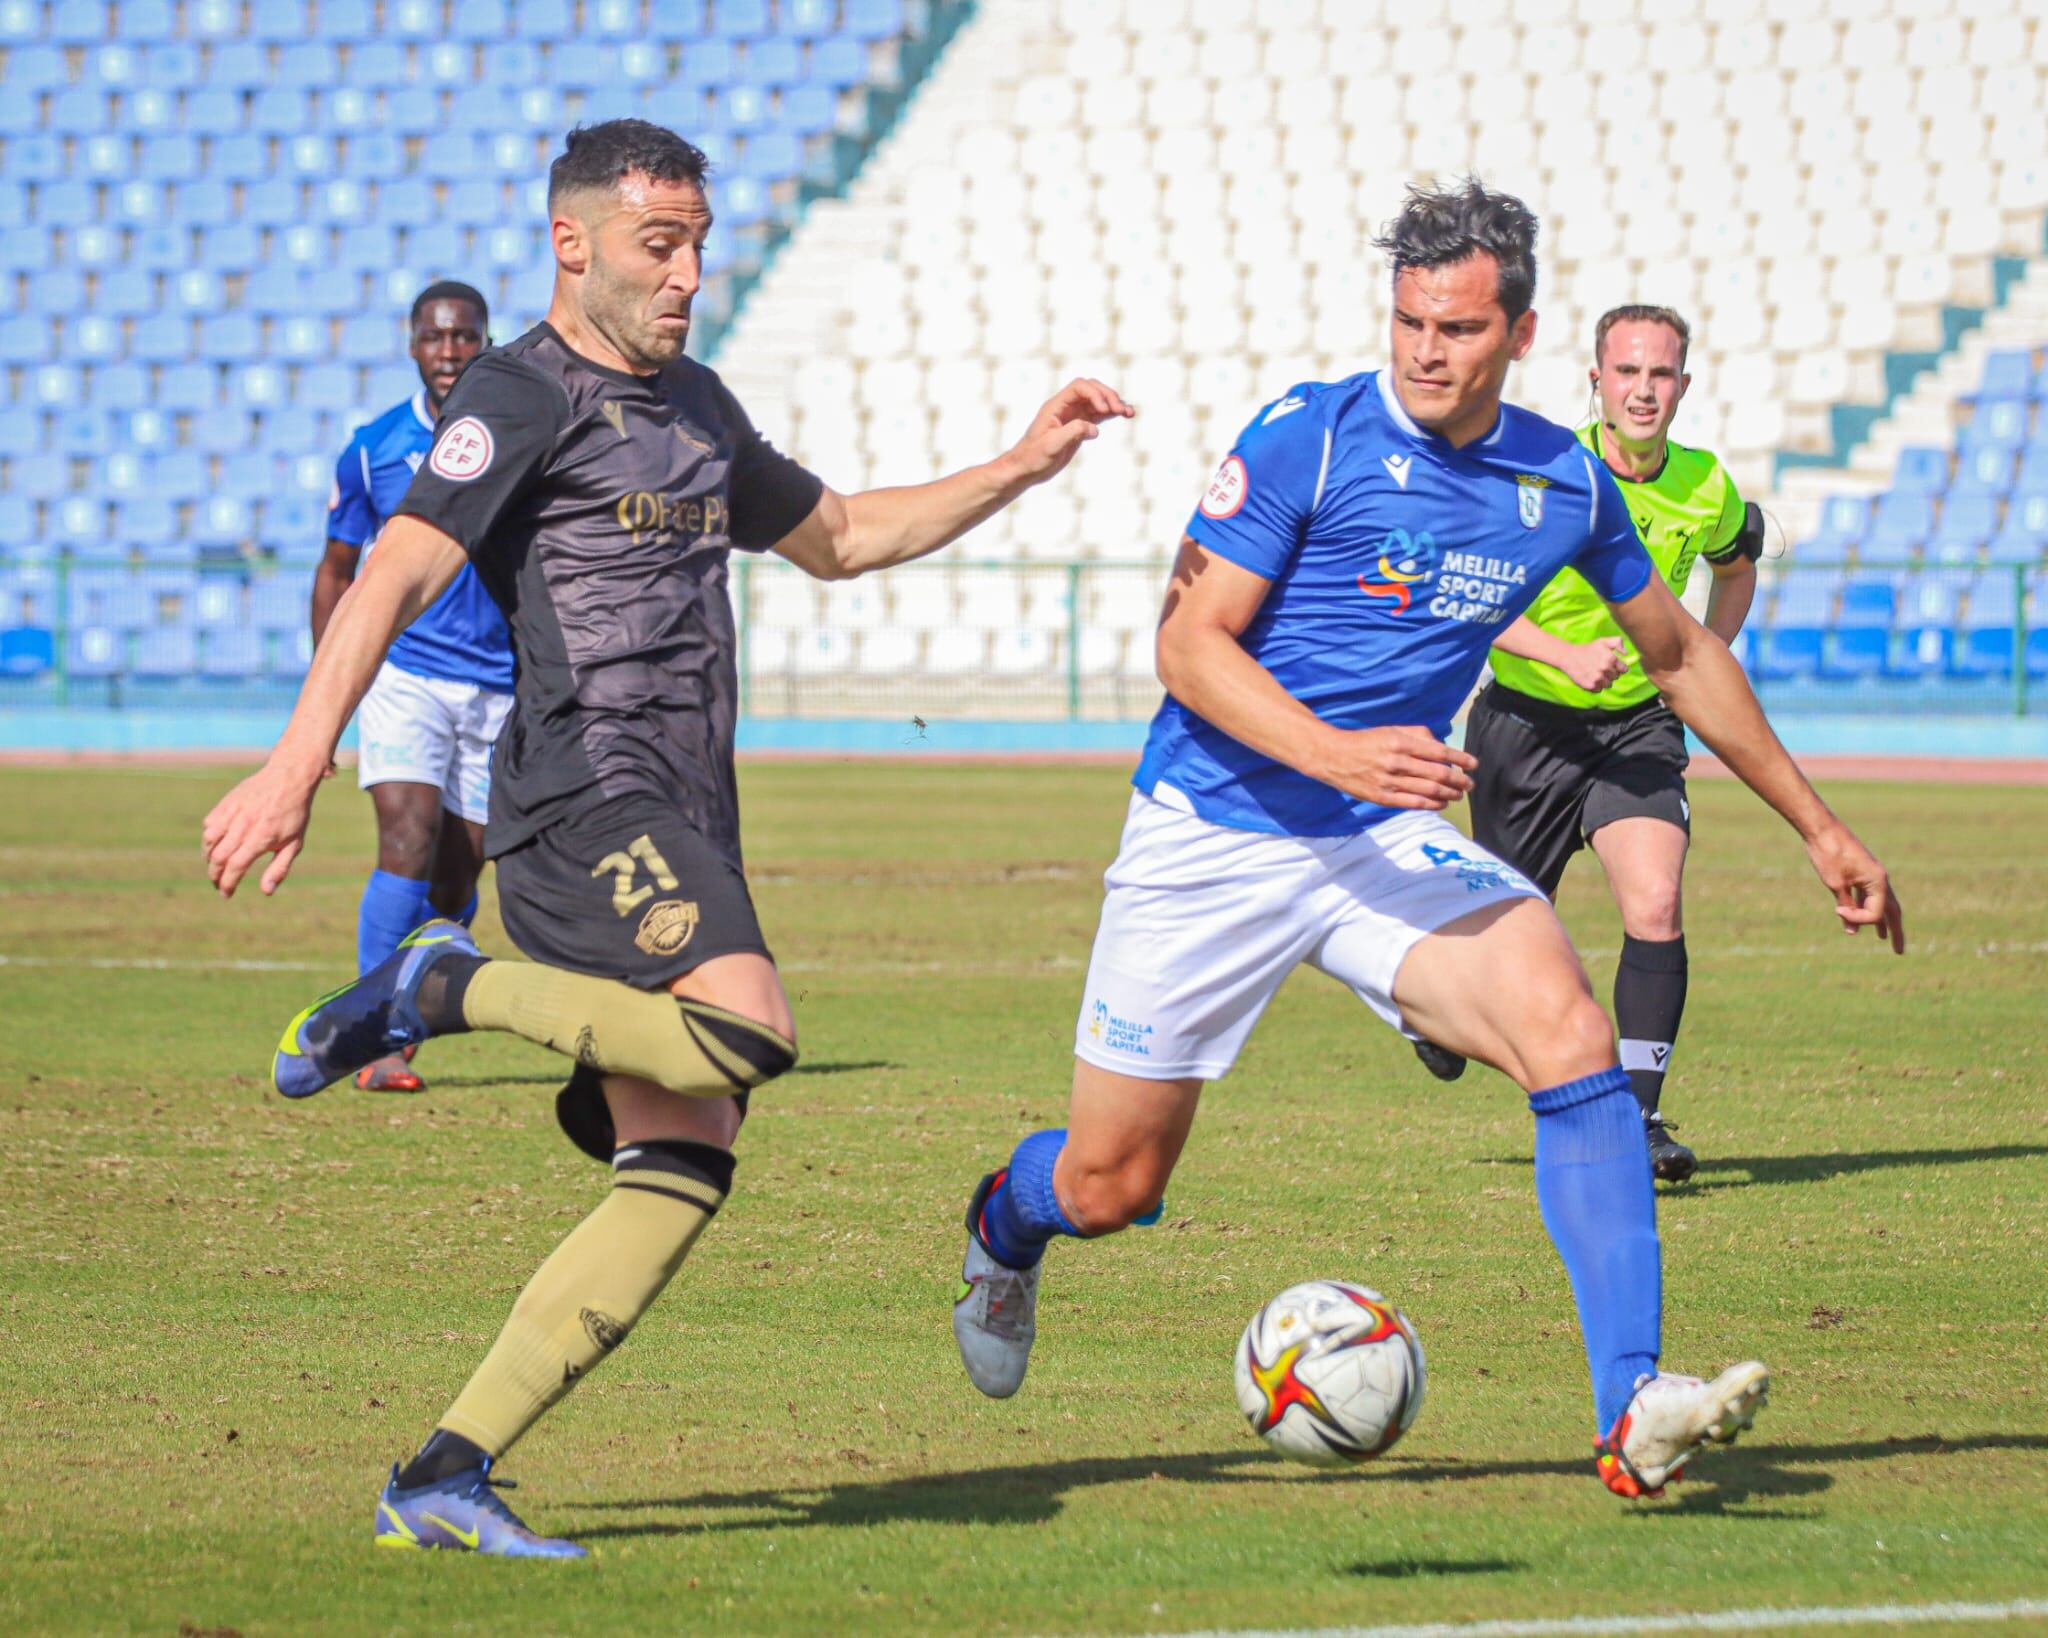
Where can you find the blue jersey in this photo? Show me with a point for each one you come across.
(1395, 560)
(461, 636)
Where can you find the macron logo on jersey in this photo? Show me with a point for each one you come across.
(1286, 406)
(1397, 467)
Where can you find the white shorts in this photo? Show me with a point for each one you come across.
(428, 731)
(1202, 923)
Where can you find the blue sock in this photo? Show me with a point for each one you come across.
(1022, 1214)
(392, 907)
(1593, 1186)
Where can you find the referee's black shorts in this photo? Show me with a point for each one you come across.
(1550, 775)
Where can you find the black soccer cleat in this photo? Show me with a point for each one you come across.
(1441, 1062)
(1670, 1160)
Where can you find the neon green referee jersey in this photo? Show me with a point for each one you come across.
(1688, 510)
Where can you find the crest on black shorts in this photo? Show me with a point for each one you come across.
(667, 926)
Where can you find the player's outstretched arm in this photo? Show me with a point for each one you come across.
(846, 535)
(1702, 683)
(1203, 665)
(266, 813)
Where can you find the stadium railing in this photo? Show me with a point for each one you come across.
(1022, 639)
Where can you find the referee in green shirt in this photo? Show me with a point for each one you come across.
(1575, 745)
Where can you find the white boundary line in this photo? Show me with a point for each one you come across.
(148, 964)
(1757, 1620)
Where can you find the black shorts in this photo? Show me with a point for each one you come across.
(1549, 776)
(626, 890)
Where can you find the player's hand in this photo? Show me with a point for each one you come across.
(266, 813)
(1595, 665)
(1863, 893)
(1398, 767)
(1067, 420)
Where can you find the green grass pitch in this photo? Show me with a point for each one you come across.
(222, 1317)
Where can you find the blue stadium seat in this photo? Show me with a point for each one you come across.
(487, 21)
(21, 430)
(173, 67)
(213, 110)
(147, 22)
(581, 65)
(2007, 374)
(773, 153)
(170, 156)
(279, 110)
(808, 110)
(740, 19)
(1999, 423)
(28, 597)
(114, 67)
(1983, 652)
(274, 202)
(374, 156)
(346, 20)
(37, 158)
(275, 290)
(19, 531)
(291, 654)
(413, 19)
(282, 22)
(43, 480)
(1921, 470)
(58, 290)
(413, 110)
(1984, 472)
(376, 62)
(108, 156)
(743, 108)
(2033, 473)
(1900, 525)
(140, 202)
(147, 430)
(279, 602)
(1921, 652)
(290, 427)
(1855, 651)
(612, 19)
(309, 155)
(163, 654)
(77, 110)
(230, 338)
(27, 651)
(212, 19)
(222, 433)
(643, 61)
(1868, 600)
(366, 338)
(150, 525)
(295, 519)
(540, 109)
(347, 108)
(23, 249)
(1806, 599)
(66, 204)
(35, 68)
(235, 248)
(447, 63)
(232, 653)
(874, 19)
(511, 65)
(123, 386)
(78, 22)
(543, 20)
(25, 338)
(182, 474)
(95, 336)
(95, 651)
(221, 520)
(2024, 536)
(808, 19)
(1788, 653)
(773, 61)
(84, 433)
(385, 384)
(326, 387)
(475, 201)
(21, 113)
(1968, 520)
(706, 65)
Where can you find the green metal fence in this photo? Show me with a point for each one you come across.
(1014, 639)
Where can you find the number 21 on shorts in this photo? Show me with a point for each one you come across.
(624, 866)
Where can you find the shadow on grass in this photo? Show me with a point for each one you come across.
(1730, 1483)
(1815, 1168)
(1400, 1569)
(842, 1067)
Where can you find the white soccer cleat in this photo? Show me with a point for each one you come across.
(995, 1316)
(1668, 1420)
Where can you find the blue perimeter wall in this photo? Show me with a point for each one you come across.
(148, 732)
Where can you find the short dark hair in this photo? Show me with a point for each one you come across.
(451, 290)
(1440, 226)
(1639, 312)
(595, 157)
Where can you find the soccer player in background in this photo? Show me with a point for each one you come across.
(427, 725)
(1576, 748)
(598, 479)
(1334, 598)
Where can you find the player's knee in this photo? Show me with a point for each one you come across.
(405, 847)
(1651, 911)
(1103, 1197)
(1582, 1040)
(745, 1052)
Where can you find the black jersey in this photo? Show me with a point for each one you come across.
(599, 508)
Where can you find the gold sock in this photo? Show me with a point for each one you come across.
(584, 1299)
(685, 1046)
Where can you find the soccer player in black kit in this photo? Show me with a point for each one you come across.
(598, 480)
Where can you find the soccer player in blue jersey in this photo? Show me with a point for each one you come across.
(1331, 608)
(426, 727)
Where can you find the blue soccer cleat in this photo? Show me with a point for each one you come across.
(464, 1512)
(362, 1021)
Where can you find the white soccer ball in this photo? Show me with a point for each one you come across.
(1329, 1373)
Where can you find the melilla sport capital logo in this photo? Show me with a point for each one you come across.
(1405, 562)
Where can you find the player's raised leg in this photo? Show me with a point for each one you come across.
(1103, 1171)
(1645, 863)
(672, 1168)
(1547, 1032)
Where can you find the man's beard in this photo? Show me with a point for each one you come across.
(612, 308)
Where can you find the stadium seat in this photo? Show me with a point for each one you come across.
(27, 651)
(1900, 525)
(2007, 374)
(1854, 652)
(1967, 522)
(95, 651)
